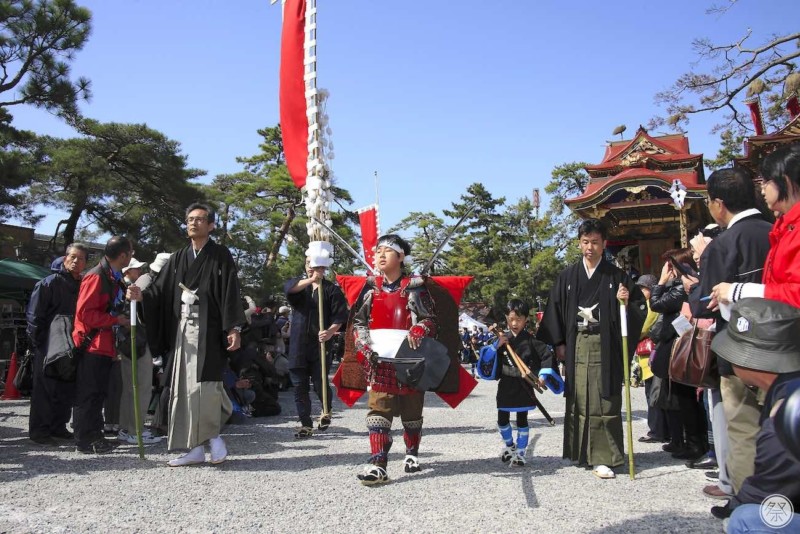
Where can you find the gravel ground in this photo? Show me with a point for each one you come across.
(274, 483)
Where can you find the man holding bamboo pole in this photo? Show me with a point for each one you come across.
(309, 334)
(582, 321)
(194, 315)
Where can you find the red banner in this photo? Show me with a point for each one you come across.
(793, 106)
(368, 217)
(294, 123)
(755, 116)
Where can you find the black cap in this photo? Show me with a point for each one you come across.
(761, 335)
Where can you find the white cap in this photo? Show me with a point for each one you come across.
(284, 309)
(161, 260)
(134, 264)
(320, 254)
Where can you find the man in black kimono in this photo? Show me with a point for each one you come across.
(582, 322)
(302, 293)
(194, 315)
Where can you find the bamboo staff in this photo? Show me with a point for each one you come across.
(623, 315)
(326, 409)
(137, 416)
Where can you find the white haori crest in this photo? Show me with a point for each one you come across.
(586, 313)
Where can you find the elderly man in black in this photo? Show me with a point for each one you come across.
(57, 294)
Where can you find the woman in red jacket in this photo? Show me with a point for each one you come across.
(781, 189)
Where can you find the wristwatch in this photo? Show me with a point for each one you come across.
(237, 328)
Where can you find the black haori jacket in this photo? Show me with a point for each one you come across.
(213, 274)
(560, 322)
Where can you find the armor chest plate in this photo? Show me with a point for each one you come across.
(390, 310)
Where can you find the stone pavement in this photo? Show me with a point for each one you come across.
(274, 483)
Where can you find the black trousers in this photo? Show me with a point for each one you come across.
(656, 417)
(302, 399)
(51, 401)
(94, 371)
(114, 394)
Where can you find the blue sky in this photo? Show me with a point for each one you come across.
(433, 95)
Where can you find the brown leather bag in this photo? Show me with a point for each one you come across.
(692, 363)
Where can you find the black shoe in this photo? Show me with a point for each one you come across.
(101, 446)
(721, 512)
(650, 439)
(671, 447)
(689, 453)
(712, 476)
(47, 441)
(62, 433)
(707, 462)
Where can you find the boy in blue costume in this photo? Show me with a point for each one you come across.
(514, 394)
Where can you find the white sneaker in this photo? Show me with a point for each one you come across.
(519, 458)
(219, 452)
(194, 456)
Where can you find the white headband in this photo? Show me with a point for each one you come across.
(392, 245)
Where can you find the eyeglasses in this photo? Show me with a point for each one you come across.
(190, 220)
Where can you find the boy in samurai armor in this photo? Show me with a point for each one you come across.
(514, 394)
(390, 309)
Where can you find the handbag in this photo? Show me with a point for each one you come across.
(61, 361)
(23, 380)
(645, 347)
(691, 362)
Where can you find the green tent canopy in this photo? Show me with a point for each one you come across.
(17, 279)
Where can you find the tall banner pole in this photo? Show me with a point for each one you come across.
(623, 316)
(304, 128)
(137, 415)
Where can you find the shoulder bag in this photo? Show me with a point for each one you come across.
(692, 363)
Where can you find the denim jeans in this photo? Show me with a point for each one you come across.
(746, 519)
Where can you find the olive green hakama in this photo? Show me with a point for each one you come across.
(592, 424)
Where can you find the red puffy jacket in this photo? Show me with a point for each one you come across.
(93, 310)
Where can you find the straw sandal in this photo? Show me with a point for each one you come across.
(304, 432)
(373, 475)
(324, 421)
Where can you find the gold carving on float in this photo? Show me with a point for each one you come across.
(598, 213)
(639, 151)
(639, 194)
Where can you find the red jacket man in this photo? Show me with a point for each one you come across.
(100, 295)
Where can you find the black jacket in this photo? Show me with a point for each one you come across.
(736, 255)
(214, 276)
(668, 301)
(303, 340)
(54, 295)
